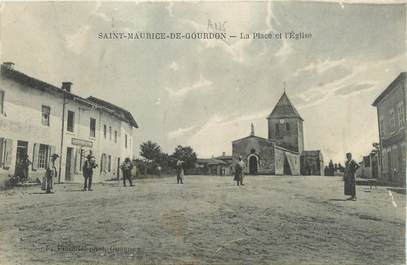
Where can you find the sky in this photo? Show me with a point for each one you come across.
(206, 93)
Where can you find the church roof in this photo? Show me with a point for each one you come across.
(284, 109)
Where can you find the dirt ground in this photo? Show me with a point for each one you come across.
(207, 220)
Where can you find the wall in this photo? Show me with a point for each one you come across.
(264, 150)
(293, 138)
(393, 141)
(22, 118)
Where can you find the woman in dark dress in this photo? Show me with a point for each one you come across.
(349, 176)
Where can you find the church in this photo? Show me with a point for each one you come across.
(282, 153)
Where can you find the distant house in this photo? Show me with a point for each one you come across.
(391, 115)
(228, 168)
(219, 166)
(208, 166)
(312, 163)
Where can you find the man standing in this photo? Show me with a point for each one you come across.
(180, 171)
(87, 171)
(50, 174)
(127, 166)
(349, 175)
(239, 167)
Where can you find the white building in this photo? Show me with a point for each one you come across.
(39, 119)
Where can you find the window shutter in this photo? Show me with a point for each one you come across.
(2, 146)
(8, 153)
(36, 153)
(77, 160)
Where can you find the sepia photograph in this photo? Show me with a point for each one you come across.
(203, 132)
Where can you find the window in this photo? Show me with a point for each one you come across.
(381, 127)
(46, 111)
(392, 120)
(110, 133)
(104, 130)
(287, 126)
(125, 141)
(1, 101)
(92, 127)
(277, 129)
(43, 156)
(71, 121)
(109, 163)
(115, 136)
(400, 114)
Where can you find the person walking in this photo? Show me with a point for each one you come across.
(87, 171)
(349, 176)
(126, 167)
(180, 172)
(50, 174)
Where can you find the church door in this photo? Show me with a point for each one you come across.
(253, 165)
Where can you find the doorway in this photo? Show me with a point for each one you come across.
(68, 164)
(253, 165)
(21, 170)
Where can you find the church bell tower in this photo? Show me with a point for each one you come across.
(285, 125)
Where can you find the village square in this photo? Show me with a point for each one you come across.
(287, 212)
(180, 133)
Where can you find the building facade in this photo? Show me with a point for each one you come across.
(312, 163)
(391, 114)
(281, 152)
(38, 119)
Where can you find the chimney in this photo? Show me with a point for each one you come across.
(67, 86)
(9, 65)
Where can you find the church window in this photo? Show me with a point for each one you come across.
(277, 129)
(287, 126)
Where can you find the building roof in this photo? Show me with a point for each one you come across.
(254, 136)
(210, 161)
(284, 109)
(285, 149)
(225, 157)
(31, 81)
(401, 77)
(35, 83)
(120, 112)
(311, 152)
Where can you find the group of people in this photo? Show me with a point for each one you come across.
(90, 164)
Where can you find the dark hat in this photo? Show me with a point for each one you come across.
(127, 159)
(55, 156)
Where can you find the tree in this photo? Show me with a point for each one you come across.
(185, 154)
(150, 151)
